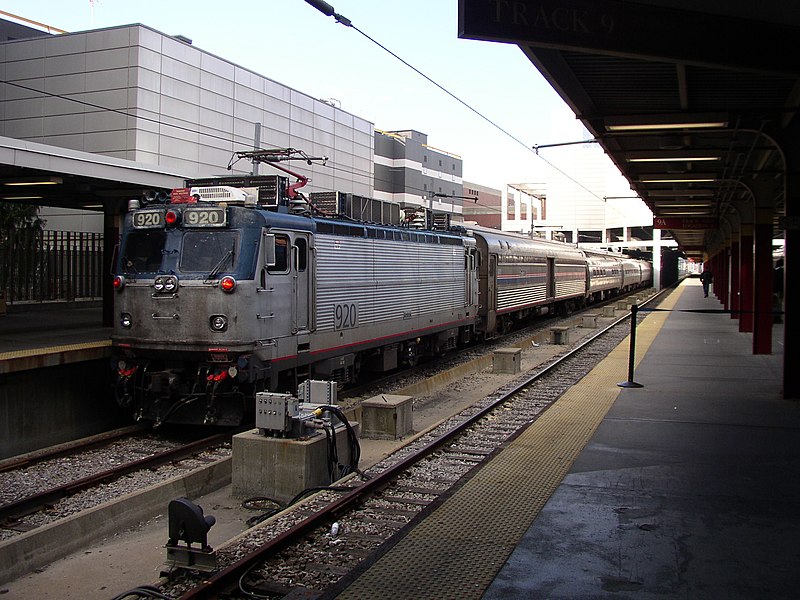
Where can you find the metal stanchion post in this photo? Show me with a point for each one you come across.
(630, 383)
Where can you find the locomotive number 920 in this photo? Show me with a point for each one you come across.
(211, 216)
(345, 316)
(148, 219)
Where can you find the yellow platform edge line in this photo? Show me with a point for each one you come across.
(458, 550)
(53, 350)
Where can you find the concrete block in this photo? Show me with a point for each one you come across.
(590, 320)
(559, 335)
(387, 417)
(281, 468)
(507, 360)
(609, 311)
(623, 305)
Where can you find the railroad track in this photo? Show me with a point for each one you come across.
(537, 326)
(13, 513)
(310, 552)
(69, 448)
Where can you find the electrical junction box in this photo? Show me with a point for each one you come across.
(275, 412)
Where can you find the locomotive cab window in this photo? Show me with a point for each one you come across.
(209, 251)
(281, 255)
(142, 252)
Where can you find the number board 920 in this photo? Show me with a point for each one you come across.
(148, 219)
(204, 216)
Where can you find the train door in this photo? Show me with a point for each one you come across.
(471, 277)
(491, 298)
(551, 278)
(275, 290)
(302, 284)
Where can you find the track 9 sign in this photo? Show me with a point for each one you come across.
(206, 216)
(345, 316)
(148, 219)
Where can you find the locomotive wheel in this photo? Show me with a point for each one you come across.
(411, 354)
(505, 325)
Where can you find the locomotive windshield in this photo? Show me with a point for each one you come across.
(142, 253)
(209, 252)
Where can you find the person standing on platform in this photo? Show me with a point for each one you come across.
(707, 278)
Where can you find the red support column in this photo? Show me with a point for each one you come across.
(762, 283)
(746, 279)
(735, 288)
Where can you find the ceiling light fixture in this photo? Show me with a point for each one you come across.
(684, 212)
(649, 157)
(32, 181)
(685, 193)
(665, 122)
(677, 178)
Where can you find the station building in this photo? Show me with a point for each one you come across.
(137, 94)
(413, 174)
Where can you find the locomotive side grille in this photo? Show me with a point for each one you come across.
(387, 279)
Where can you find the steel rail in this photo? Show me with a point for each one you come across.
(38, 456)
(228, 579)
(25, 506)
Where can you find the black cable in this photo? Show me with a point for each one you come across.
(143, 591)
(352, 439)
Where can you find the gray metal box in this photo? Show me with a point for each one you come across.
(274, 412)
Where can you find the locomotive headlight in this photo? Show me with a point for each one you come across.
(170, 284)
(126, 320)
(218, 322)
(165, 283)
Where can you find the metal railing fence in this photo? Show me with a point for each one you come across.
(45, 266)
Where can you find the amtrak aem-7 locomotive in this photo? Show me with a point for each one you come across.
(220, 295)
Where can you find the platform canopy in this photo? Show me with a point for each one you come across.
(691, 99)
(58, 177)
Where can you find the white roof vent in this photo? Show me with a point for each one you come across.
(225, 193)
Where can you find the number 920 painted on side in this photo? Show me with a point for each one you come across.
(345, 316)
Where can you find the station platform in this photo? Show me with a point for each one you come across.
(686, 487)
(44, 335)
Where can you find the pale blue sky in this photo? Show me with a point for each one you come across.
(291, 42)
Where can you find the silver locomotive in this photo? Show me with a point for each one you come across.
(221, 294)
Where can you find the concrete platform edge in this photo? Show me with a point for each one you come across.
(44, 545)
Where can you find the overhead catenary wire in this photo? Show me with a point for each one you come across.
(326, 9)
(329, 11)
